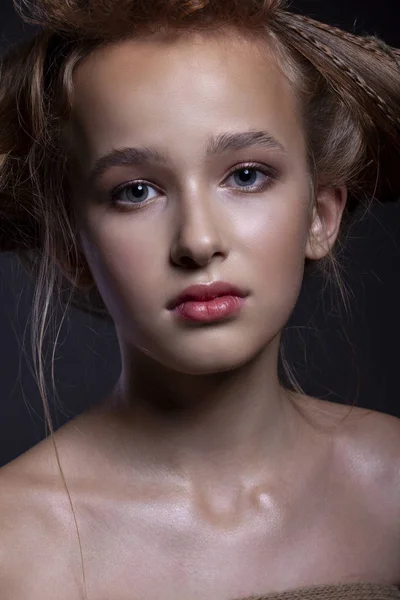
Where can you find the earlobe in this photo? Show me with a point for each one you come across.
(326, 220)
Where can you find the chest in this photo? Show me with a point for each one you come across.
(328, 539)
(326, 527)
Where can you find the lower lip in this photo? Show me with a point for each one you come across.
(210, 310)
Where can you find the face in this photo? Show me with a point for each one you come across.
(193, 210)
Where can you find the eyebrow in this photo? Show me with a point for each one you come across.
(217, 144)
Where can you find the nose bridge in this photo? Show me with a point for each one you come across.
(200, 223)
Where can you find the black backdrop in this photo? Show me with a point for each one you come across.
(359, 364)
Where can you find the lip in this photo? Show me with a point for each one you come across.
(207, 291)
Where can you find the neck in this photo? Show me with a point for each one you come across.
(220, 426)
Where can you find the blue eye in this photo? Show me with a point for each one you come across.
(247, 176)
(135, 192)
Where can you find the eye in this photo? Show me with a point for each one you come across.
(134, 192)
(251, 177)
(246, 178)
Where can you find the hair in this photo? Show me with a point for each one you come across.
(348, 88)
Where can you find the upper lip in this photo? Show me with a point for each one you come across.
(207, 291)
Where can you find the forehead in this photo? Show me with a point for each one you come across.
(157, 91)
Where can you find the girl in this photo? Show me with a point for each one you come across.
(182, 164)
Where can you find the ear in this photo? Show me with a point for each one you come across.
(325, 221)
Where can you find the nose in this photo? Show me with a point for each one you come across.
(201, 233)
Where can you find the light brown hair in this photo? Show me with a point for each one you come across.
(349, 92)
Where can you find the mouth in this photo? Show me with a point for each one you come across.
(208, 311)
(203, 293)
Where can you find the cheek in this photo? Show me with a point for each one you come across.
(277, 234)
(275, 254)
(122, 267)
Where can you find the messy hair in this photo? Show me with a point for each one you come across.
(348, 89)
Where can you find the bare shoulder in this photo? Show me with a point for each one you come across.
(375, 453)
(372, 443)
(35, 529)
(375, 430)
(369, 449)
(17, 524)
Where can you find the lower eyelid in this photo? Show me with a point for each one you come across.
(269, 174)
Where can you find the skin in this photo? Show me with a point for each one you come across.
(205, 401)
(198, 462)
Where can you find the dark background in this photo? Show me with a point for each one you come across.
(348, 359)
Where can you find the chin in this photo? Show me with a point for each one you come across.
(206, 358)
(207, 367)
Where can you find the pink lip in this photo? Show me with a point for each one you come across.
(205, 291)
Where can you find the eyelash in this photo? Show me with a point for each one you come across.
(269, 172)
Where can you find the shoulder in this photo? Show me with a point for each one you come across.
(373, 461)
(31, 491)
(35, 529)
(367, 447)
(16, 527)
(361, 431)
(370, 457)
(373, 443)
(369, 441)
(376, 453)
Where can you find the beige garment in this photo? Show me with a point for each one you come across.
(343, 591)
